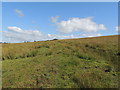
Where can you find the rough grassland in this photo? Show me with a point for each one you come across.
(80, 63)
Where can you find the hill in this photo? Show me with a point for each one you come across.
(70, 63)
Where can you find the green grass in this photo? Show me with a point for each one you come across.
(72, 63)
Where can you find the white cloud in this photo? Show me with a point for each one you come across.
(19, 12)
(117, 29)
(78, 24)
(16, 34)
(15, 29)
(27, 32)
(51, 36)
(54, 19)
(91, 35)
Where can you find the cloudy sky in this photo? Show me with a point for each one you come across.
(25, 21)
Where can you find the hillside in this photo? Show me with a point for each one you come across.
(70, 63)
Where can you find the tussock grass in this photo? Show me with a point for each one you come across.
(72, 63)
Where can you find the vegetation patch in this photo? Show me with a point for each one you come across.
(72, 63)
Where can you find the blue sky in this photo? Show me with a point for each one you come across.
(25, 21)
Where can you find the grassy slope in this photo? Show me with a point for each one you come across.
(84, 63)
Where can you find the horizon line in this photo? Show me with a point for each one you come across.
(4, 42)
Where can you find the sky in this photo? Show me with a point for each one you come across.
(29, 21)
